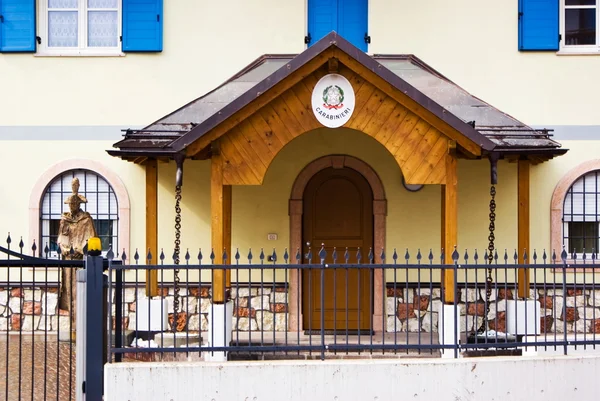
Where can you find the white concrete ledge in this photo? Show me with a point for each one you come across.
(494, 378)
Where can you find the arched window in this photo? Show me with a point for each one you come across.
(101, 204)
(581, 214)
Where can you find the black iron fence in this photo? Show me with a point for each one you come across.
(346, 305)
(38, 304)
(341, 305)
(37, 325)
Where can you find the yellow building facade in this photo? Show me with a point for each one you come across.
(62, 111)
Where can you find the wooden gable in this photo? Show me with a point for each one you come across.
(414, 140)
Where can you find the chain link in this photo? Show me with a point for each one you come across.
(176, 255)
(491, 248)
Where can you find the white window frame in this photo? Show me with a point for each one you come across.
(82, 49)
(588, 49)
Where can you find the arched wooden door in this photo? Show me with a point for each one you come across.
(338, 212)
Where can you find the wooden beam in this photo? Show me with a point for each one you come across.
(523, 226)
(220, 210)
(449, 223)
(152, 224)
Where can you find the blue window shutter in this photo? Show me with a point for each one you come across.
(352, 22)
(142, 25)
(538, 24)
(322, 19)
(17, 26)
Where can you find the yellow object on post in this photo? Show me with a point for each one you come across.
(94, 246)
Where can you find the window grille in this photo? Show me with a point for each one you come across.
(581, 214)
(102, 206)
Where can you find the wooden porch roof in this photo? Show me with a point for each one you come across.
(478, 128)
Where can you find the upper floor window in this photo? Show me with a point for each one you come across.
(581, 214)
(80, 26)
(101, 205)
(570, 26)
(579, 25)
(349, 18)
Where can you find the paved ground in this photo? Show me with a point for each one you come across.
(36, 368)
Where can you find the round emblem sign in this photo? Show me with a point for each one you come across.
(333, 100)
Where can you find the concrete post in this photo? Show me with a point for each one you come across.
(449, 329)
(220, 319)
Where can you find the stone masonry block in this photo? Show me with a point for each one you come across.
(246, 324)
(578, 300)
(414, 325)
(260, 302)
(279, 297)
(469, 295)
(15, 304)
(390, 305)
(594, 299)
(429, 322)
(264, 320)
(588, 313)
(34, 294)
(244, 291)
(50, 303)
(394, 324)
(205, 305)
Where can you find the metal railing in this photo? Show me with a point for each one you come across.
(402, 311)
(38, 303)
(37, 354)
(343, 306)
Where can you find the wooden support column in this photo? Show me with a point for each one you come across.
(449, 223)
(220, 210)
(523, 226)
(227, 190)
(152, 224)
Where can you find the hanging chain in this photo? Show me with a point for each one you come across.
(491, 247)
(176, 254)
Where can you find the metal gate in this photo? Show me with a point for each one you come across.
(37, 347)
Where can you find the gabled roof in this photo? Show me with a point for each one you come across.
(488, 127)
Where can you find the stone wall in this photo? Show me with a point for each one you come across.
(266, 308)
(254, 308)
(409, 309)
(33, 308)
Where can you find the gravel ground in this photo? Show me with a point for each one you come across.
(36, 368)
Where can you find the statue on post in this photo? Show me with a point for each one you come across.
(76, 227)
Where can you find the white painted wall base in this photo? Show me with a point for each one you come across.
(220, 319)
(499, 378)
(449, 329)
